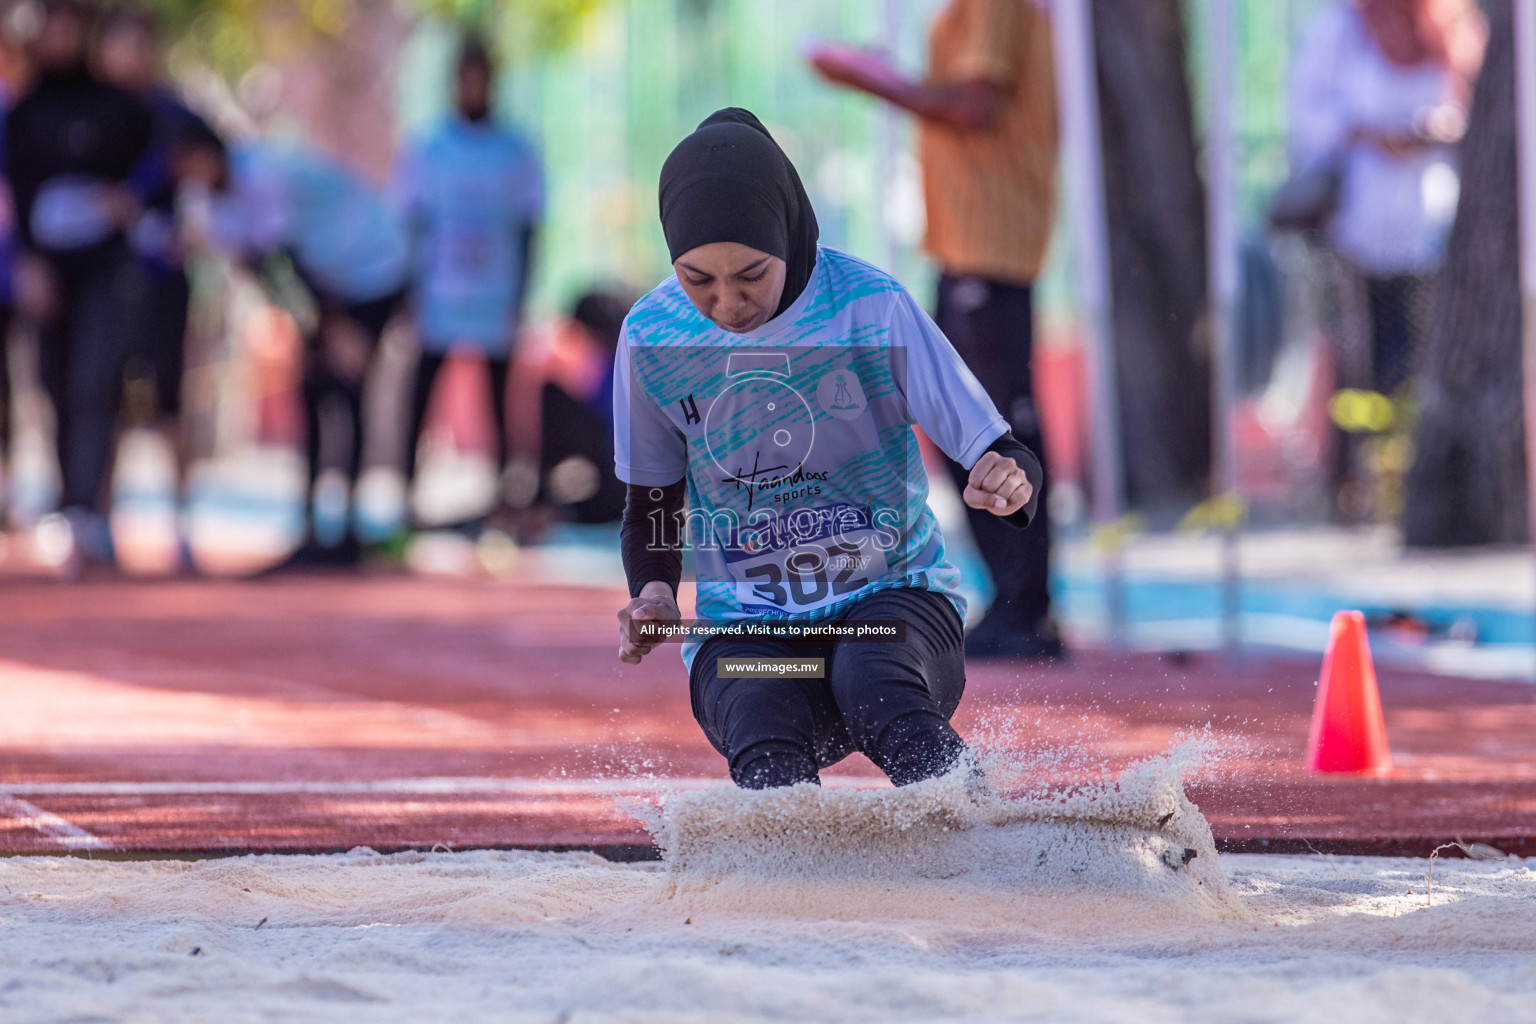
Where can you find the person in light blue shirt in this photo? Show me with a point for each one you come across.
(346, 243)
(472, 195)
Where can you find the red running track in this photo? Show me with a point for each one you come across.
(323, 713)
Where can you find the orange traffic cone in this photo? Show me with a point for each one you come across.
(1348, 734)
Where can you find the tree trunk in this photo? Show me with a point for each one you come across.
(1467, 482)
(1155, 203)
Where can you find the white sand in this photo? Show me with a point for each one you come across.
(878, 905)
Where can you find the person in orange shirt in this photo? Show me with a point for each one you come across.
(987, 143)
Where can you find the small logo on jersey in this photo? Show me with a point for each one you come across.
(840, 395)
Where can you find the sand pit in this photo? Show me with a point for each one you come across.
(921, 904)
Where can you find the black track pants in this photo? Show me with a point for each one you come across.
(892, 701)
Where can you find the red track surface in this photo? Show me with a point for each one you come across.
(304, 713)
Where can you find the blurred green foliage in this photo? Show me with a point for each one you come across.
(232, 35)
(521, 28)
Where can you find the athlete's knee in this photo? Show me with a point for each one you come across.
(765, 728)
(770, 764)
(916, 746)
(873, 687)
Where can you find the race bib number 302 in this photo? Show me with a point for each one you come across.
(779, 569)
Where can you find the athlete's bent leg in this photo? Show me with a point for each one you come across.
(772, 731)
(896, 697)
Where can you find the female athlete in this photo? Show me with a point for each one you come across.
(776, 382)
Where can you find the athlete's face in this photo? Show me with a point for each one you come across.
(734, 285)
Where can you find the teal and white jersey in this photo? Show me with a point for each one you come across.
(806, 488)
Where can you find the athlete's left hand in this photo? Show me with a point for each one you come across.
(997, 484)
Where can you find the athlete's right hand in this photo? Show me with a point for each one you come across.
(655, 604)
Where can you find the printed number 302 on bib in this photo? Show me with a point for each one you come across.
(809, 575)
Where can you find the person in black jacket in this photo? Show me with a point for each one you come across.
(129, 56)
(72, 145)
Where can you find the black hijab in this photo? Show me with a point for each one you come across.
(730, 182)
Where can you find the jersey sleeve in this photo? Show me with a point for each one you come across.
(647, 449)
(943, 395)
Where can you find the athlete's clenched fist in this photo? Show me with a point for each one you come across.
(997, 484)
(655, 605)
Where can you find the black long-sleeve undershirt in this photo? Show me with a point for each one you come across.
(650, 534)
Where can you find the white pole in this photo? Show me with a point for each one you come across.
(1525, 131)
(1079, 108)
(1222, 258)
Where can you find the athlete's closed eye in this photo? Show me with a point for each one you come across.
(754, 271)
(695, 276)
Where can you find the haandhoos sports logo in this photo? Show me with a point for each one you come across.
(761, 412)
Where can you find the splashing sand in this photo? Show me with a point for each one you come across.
(915, 904)
(1121, 856)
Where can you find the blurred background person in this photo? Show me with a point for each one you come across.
(129, 56)
(987, 144)
(562, 408)
(348, 247)
(472, 193)
(72, 145)
(1378, 96)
